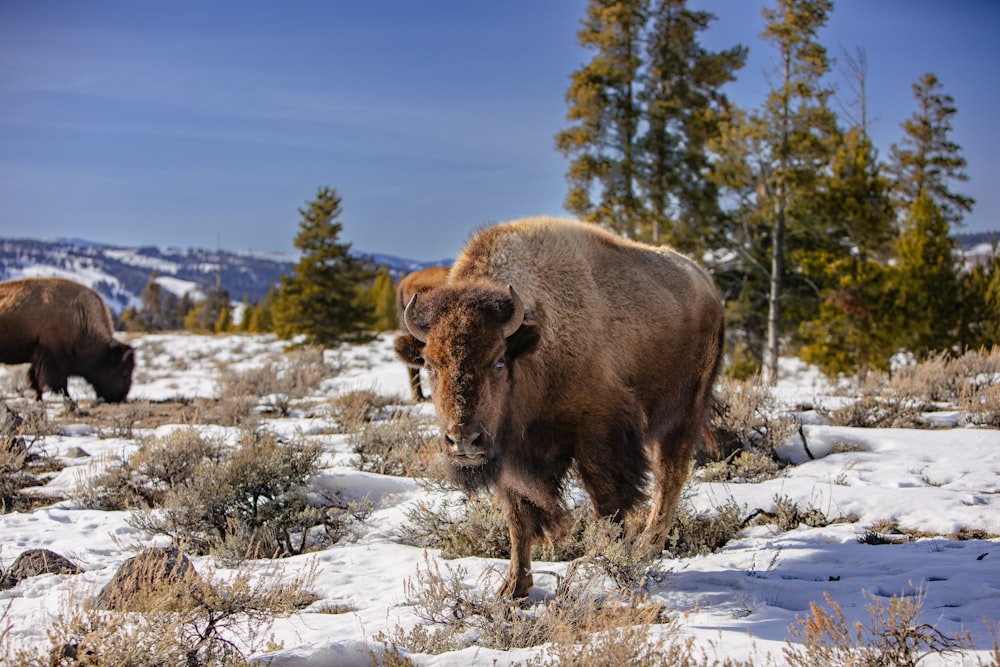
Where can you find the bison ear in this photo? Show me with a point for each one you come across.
(410, 350)
(522, 341)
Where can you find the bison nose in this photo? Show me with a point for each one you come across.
(465, 445)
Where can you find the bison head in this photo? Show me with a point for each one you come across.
(111, 377)
(470, 339)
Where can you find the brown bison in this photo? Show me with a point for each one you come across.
(554, 344)
(418, 281)
(63, 328)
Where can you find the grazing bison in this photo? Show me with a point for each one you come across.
(554, 344)
(418, 281)
(63, 329)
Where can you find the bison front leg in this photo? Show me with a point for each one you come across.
(529, 523)
(525, 527)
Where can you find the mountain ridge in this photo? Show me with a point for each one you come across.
(119, 273)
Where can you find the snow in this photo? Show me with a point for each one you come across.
(738, 602)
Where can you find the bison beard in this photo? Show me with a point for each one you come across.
(555, 346)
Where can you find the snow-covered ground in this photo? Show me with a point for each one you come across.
(738, 602)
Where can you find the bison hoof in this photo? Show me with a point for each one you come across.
(516, 587)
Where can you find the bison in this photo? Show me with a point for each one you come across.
(63, 328)
(418, 281)
(556, 345)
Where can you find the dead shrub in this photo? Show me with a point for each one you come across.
(749, 417)
(743, 466)
(982, 407)
(254, 503)
(460, 528)
(787, 515)
(141, 480)
(892, 410)
(22, 461)
(123, 418)
(355, 408)
(275, 385)
(893, 635)
(696, 533)
(200, 620)
(399, 446)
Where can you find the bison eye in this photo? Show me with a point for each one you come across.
(500, 364)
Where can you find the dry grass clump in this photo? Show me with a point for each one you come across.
(887, 411)
(401, 446)
(276, 385)
(970, 382)
(121, 419)
(254, 502)
(577, 626)
(982, 408)
(749, 417)
(355, 408)
(946, 379)
(455, 616)
(192, 621)
(893, 637)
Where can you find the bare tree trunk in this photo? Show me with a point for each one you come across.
(774, 296)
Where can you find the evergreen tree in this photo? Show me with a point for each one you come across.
(642, 111)
(927, 160)
(260, 318)
(321, 298)
(383, 298)
(603, 106)
(855, 327)
(681, 107)
(927, 281)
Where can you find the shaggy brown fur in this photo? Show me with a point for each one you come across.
(418, 281)
(610, 372)
(63, 328)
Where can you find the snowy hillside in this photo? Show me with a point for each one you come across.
(119, 274)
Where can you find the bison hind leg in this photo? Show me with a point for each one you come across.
(671, 468)
(614, 471)
(45, 372)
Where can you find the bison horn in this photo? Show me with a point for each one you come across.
(420, 333)
(515, 321)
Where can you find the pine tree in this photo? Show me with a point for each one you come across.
(383, 298)
(927, 281)
(856, 326)
(927, 160)
(681, 107)
(605, 111)
(321, 298)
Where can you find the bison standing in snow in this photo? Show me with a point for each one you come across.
(421, 280)
(554, 344)
(63, 328)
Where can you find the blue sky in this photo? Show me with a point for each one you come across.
(210, 123)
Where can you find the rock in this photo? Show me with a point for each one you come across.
(76, 453)
(35, 562)
(155, 570)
